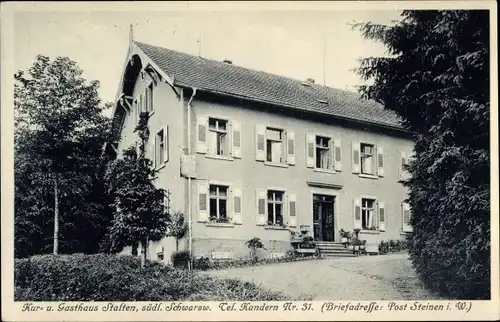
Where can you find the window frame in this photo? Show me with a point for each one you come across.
(373, 157)
(375, 219)
(149, 100)
(218, 218)
(218, 132)
(274, 202)
(284, 147)
(329, 150)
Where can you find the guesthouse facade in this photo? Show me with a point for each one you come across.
(245, 154)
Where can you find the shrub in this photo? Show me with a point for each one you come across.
(120, 278)
(202, 263)
(180, 258)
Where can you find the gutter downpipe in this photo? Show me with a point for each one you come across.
(190, 221)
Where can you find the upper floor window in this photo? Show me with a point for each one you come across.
(161, 147)
(275, 145)
(218, 141)
(275, 207)
(323, 153)
(218, 203)
(367, 158)
(148, 99)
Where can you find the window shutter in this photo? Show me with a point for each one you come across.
(406, 213)
(310, 150)
(166, 144)
(357, 213)
(201, 134)
(155, 156)
(260, 142)
(380, 163)
(290, 146)
(356, 157)
(337, 144)
(292, 210)
(381, 216)
(236, 139)
(261, 207)
(237, 204)
(202, 202)
(402, 162)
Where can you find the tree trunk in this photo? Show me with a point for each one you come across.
(177, 244)
(56, 216)
(134, 249)
(144, 250)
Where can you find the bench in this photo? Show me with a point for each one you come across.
(221, 255)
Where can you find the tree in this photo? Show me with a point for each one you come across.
(59, 133)
(436, 77)
(178, 228)
(140, 215)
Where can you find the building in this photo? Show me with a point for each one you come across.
(248, 154)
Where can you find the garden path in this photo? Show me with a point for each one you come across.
(385, 277)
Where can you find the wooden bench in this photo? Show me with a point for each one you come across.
(221, 255)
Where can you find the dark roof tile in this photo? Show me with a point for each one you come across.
(224, 78)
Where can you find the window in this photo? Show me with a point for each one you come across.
(149, 99)
(218, 137)
(160, 147)
(323, 153)
(166, 201)
(274, 208)
(274, 140)
(218, 204)
(368, 214)
(367, 158)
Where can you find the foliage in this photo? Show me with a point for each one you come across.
(59, 133)
(181, 258)
(356, 233)
(436, 78)
(120, 278)
(140, 215)
(254, 244)
(177, 227)
(345, 234)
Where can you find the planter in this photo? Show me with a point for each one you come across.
(344, 240)
(362, 247)
(351, 247)
(356, 248)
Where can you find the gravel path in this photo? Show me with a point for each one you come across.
(388, 277)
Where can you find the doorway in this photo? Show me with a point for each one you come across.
(323, 217)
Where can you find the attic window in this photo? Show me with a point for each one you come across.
(321, 101)
(306, 84)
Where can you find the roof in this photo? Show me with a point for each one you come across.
(223, 78)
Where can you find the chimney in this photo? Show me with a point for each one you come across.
(310, 80)
(227, 61)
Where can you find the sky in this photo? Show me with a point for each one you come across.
(298, 44)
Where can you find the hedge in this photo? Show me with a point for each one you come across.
(120, 278)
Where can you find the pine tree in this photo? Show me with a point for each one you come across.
(436, 77)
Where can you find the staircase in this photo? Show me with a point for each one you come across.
(332, 249)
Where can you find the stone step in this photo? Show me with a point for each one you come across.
(331, 247)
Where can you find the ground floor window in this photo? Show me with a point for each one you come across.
(368, 214)
(275, 208)
(218, 203)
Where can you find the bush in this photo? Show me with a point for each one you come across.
(202, 263)
(120, 278)
(181, 258)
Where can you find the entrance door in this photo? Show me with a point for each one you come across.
(323, 217)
